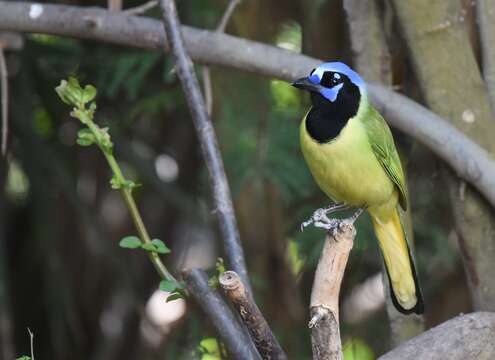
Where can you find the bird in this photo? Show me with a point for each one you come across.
(350, 151)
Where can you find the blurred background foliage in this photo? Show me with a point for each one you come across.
(85, 298)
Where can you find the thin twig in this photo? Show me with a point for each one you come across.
(138, 10)
(232, 334)
(258, 328)
(208, 92)
(208, 141)
(31, 341)
(324, 306)
(227, 15)
(4, 84)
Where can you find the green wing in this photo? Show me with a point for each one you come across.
(382, 143)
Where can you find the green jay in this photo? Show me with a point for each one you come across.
(351, 154)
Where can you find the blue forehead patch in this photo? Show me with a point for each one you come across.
(314, 79)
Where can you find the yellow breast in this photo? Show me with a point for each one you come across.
(346, 168)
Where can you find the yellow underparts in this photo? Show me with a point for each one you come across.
(347, 170)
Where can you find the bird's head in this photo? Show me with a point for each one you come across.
(334, 81)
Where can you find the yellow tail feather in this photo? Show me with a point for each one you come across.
(406, 294)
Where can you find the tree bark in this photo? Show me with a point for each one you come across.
(452, 87)
(258, 328)
(324, 305)
(208, 141)
(466, 337)
(235, 337)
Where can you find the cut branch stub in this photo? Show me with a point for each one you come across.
(324, 306)
(230, 330)
(258, 328)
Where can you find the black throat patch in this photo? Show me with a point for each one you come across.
(326, 119)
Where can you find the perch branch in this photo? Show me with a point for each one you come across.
(237, 341)
(470, 161)
(208, 141)
(258, 328)
(324, 306)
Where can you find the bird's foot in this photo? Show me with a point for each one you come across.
(343, 223)
(320, 218)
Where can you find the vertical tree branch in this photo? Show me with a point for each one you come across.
(208, 141)
(373, 61)
(432, 41)
(324, 306)
(115, 5)
(485, 12)
(4, 85)
(7, 348)
(235, 338)
(258, 328)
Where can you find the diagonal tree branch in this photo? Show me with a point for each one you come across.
(208, 141)
(470, 161)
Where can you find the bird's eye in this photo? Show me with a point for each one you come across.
(330, 79)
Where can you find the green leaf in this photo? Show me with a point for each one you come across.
(85, 137)
(88, 94)
(220, 266)
(161, 248)
(149, 247)
(174, 296)
(71, 93)
(23, 358)
(357, 349)
(211, 347)
(130, 242)
(168, 285)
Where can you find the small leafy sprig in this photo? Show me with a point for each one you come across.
(84, 108)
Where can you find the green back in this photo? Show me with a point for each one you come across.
(382, 143)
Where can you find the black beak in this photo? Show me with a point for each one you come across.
(305, 84)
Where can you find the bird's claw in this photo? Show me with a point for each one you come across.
(319, 219)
